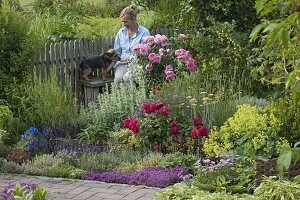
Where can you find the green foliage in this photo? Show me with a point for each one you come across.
(42, 164)
(50, 104)
(287, 111)
(277, 189)
(119, 140)
(225, 179)
(112, 107)
(6, 116)
(178, 158)
(240, 12)
(21, 193)
(17, 48)
(193, 192)
(95, 134)
(105, 161)
(62, 170)
(278, 36)
(76, 173)
(286, 157)
(250, 132)
(4, 149)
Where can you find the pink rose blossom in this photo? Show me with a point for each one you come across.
(161, 51)
(165, 111)
(192, 65)
(149, 40)
(137, 47)
(169, 68)
(126, 123)
(170, 77)
(148, 68)
(169, 73)
(151, 56)
(157, 59)
(144, 50)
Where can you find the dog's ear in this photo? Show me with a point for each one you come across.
(108, 55)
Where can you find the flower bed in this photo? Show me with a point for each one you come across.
(6, 194)
(154, 176)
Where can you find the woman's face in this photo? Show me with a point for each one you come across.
(127, 22)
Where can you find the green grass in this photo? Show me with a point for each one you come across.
(26, 3)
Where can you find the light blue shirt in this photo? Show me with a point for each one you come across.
(124, 44)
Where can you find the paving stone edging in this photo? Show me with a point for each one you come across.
(62, 188)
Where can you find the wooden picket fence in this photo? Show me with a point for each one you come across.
(64, 58)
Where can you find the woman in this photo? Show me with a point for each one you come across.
(127, 37)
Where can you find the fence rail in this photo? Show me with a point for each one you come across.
(64, 57)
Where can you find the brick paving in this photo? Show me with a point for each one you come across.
(60, 188)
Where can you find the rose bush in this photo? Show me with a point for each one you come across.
(155, 129)
(161, 60)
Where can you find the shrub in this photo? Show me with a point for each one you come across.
(250, 132)
(193, 192)
(63, 171)
(277, 189)
(17, 48)
(50, 104)
(287, 111)
(4, 150)
(177, 158)
(41, 165)
(10, 167)
(6, 116)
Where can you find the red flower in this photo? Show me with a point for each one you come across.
(165, 111)
(174, 123)
(174, 130)
(133, 122)
(202, 131)
(145, 106)
(194, 133)
(157, 106)
(126, 123)
(156, 148)
(134, 129)
(198, 122)
(157, 89)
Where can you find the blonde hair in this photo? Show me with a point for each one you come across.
(129, 11)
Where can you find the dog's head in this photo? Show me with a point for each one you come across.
(112, 55)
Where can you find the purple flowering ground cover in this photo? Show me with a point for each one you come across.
(6, 195)
(153, 176)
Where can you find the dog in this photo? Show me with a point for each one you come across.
(105, 62)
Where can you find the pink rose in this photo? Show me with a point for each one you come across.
(157, 106)
(169, 68)
(148, 68)
(134, 129)
(165, 111)
(157, 59)
(170, 77)
(169, 73)
(144, 50)
(151, 56)
(161, 51)
(191, 65)
(149, 40)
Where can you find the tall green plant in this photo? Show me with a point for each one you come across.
(51, 105)
(17, 47)
(279, 36)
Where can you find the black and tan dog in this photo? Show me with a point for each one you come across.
(105, 62)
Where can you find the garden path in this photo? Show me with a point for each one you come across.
(60, 188)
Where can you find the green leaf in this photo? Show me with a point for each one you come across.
(272, 38)
(284, 36)
(271, 27)
(284, 161)
(255, 31)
